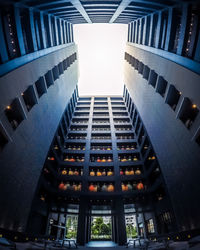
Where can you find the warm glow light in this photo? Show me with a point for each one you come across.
(101, 50)
(194, 106)
(8, 107)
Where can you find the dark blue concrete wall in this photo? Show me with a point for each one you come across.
(22, 158)
(177, 152)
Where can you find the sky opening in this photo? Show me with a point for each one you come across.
(101, 51)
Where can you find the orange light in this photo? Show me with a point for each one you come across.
(8, 107)
(194, 106)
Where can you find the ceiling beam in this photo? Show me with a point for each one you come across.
(122, 7)
(44, 3)
(77, 4)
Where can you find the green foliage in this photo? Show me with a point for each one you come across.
(71, 227)
(100, 230)
(131, 231)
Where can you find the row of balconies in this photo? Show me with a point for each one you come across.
(105, 147)
(100, 120)
(101, 128)
(100, 136)
(102, 186)
(82, 114)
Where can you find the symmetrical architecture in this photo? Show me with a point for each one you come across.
(137, 154)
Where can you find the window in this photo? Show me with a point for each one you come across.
(150, 226)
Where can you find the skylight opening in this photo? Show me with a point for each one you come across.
(101, 50)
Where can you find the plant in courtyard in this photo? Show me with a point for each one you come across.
(131, 231)
(99, 229)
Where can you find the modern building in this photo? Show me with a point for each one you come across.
(138, 153)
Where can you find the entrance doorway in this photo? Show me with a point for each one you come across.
(71, 226)
(131, 226)
(101, 228)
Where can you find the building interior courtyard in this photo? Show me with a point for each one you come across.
(99, 171)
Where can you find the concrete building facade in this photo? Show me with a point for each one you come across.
(61, 153)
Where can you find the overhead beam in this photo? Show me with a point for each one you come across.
(77, 4)
(120, 9)
(46, 3)
(159, 3)
(53, 8)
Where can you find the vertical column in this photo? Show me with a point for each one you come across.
(88, 231)
(158, 31)
(44, 42)
(120, 221)
(139, 30)
(164, 27)
(64, 32)
(129, 27)
(82, 222)
(136, 31)
(114, 148)
(61, 31)
(87, 150)
(68, 33)
(133, 33)
(72, 33)
(50, 35)
(19, 30)
(144, 225)
(184, 24)
(136, 219)
(151, 31)
(32, 27)
(144, 31)
(169, 29)
(197, 51)
(3, 48)
(56, 30)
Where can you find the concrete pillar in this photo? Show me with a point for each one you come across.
(50, 35)
(184, 25)
(158, 31)
(19, 30)
(120, 221)
(32, 27)
(151, 30)
(3, 48)
(44, 42)
(56, 30)
(168, 41)
(82, 222)
(144, 38)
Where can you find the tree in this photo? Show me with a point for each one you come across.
(104, 229)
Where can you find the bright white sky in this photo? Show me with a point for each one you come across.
(101, 51)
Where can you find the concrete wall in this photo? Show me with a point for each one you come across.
(178, 154)
(22, 159)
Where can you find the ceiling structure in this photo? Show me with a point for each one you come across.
(99, 11)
